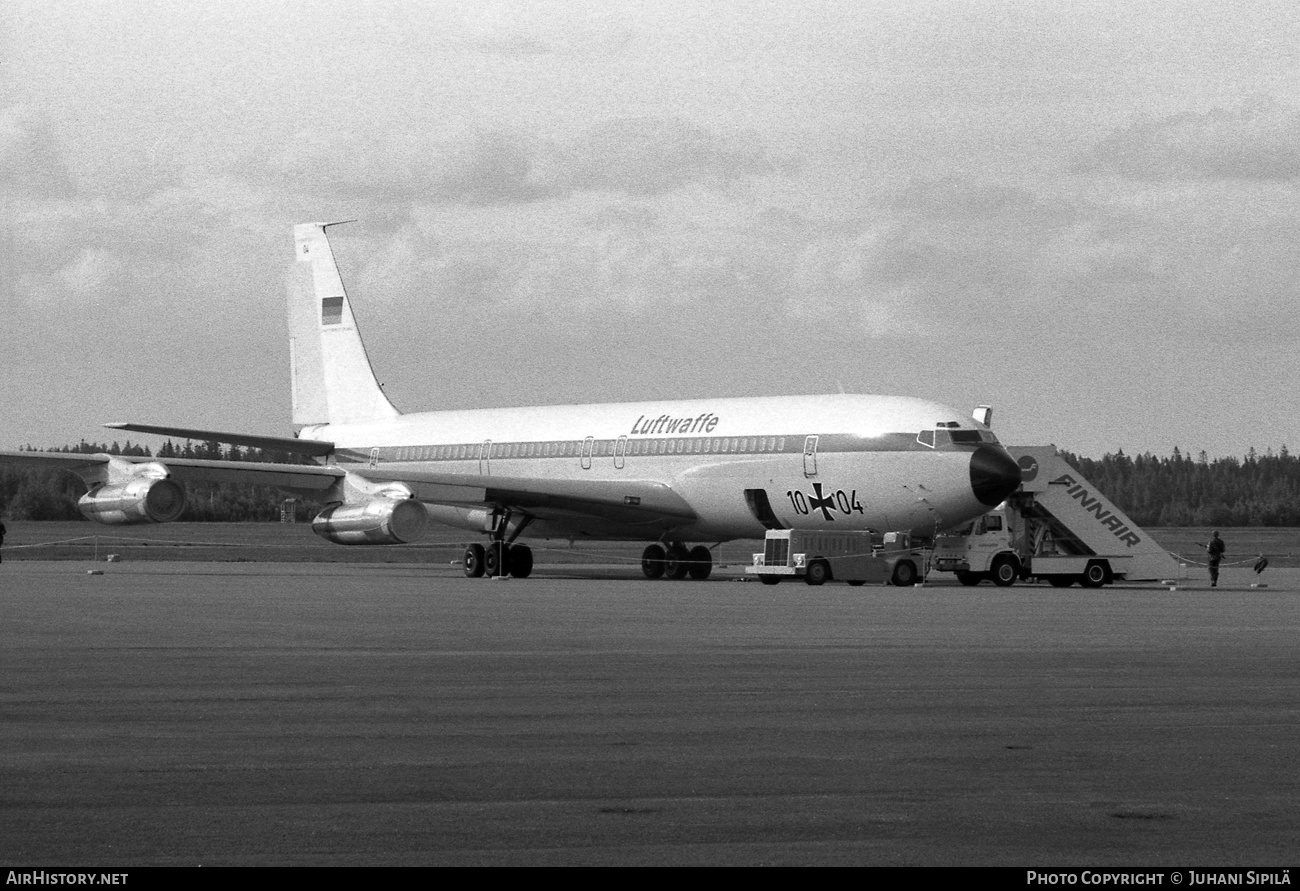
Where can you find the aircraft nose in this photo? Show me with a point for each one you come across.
(993, 475)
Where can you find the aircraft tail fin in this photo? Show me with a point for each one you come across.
(333, 381)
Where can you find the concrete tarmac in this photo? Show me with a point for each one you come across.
(210, 714)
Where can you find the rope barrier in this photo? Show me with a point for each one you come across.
(1249, 561)
(49, 544)
(600, 555)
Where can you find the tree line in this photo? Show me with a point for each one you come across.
(1259, 490)
(28, 493)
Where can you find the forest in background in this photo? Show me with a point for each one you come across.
(33, 494)
(1257, 490)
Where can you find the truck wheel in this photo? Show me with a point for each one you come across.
(769, 579)
(1060, 581)
(1005, 571)
(968, 578)
(818, 572)
(1094, 576)
(904, 574)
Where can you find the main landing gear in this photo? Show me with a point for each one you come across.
(675, 562)
(500, 557)
(497, 558)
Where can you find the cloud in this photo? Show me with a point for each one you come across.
(475, 167)
(535, 29)
(650, 156)
(90, 275)
(692, 253)
(86, 249)
(31, 165)
(1258, 140)
(636, 156)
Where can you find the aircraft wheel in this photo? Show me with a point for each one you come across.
(700, 563)
(904, 574)
(521, 561)
(1060, 581)
(472, 563)
(652, 561)
(494, 559)
(1005, 571)
(1094, 576)
(769, 579)
(818, 572)
(968, 578)
(676, 562)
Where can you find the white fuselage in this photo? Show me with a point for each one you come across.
(833, 462)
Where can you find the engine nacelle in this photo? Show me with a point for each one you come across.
(373, 522)
(139, 500)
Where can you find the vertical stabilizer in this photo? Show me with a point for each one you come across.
(333, 382)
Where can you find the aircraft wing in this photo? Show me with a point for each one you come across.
(627, 501)
(301, 477)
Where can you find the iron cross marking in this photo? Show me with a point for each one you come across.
(822, 504)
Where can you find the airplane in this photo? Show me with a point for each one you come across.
(665, 472)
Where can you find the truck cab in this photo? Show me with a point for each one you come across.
(980, 550)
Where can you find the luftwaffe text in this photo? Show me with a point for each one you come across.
(681, 426)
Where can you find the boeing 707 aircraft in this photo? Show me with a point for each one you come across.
(669, 473)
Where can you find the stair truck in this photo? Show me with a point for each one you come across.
(1056, 528)
(818, 557)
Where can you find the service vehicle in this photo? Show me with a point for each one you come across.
(856, 557)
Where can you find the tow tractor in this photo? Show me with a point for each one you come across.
(854, 557)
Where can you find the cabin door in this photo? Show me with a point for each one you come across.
(810, 456)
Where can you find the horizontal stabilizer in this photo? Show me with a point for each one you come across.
(311, 447)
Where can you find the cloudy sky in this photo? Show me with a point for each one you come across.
(1086, 214)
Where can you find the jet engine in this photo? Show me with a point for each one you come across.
(372, 522)
(142, 499)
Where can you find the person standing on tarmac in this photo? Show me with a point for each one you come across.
(2, 536)
(1215, 549)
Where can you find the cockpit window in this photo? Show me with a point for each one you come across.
(946, 433)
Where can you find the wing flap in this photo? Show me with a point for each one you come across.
(301, 477)
(619, 500)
